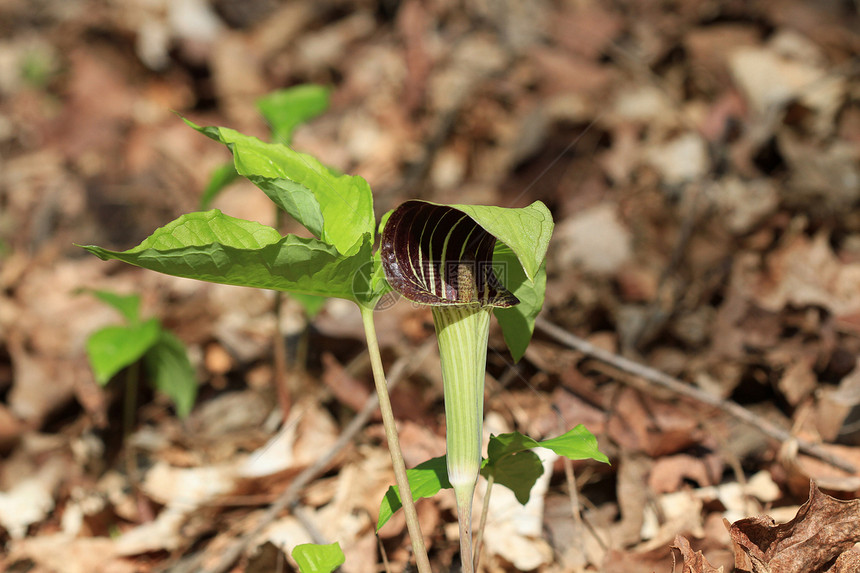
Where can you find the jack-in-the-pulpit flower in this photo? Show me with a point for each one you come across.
(439, 256)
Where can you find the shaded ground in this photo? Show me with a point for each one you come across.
(702, 162)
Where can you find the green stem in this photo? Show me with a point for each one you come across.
(412, 525)
(462, 332)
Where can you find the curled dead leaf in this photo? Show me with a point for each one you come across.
(824, 529)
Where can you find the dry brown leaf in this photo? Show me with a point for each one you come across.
(694, 561)
(822, 530)
(848, 562)
(669, 472)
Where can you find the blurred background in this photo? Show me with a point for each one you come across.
(702, 163)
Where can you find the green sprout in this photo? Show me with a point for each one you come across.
(118, 347)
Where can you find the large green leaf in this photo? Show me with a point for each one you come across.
(525, 230)
(168, 365)
(312, 558)
(214, 247)
(336, 209)
(286, 109)
(115, 347)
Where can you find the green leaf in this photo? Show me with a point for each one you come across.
(167, 362)
(284, 110)
(508, 459)
(526, 230)
(517, 471)
(336, 209)
(512, 464)
(425, 480)
(115, 347)
(576, 444)
(221, 177)
(214, 247)
(313, 558)
(512, 469)
(127, 305)
(518, 322)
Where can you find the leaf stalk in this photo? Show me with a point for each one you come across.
(388, 422)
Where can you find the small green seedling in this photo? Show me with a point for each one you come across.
(467, 262)
(115, 348)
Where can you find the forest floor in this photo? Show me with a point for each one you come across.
(702, 163)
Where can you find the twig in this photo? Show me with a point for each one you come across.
(289, 498)
(678, 387)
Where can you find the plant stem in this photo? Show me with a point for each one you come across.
(462, 332)
(464, 498)
(485, 509)
(412, 525)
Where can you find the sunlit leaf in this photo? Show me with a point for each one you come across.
(338, 210)
(214, 247)
(313, 558)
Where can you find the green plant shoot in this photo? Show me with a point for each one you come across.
(114, 348)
